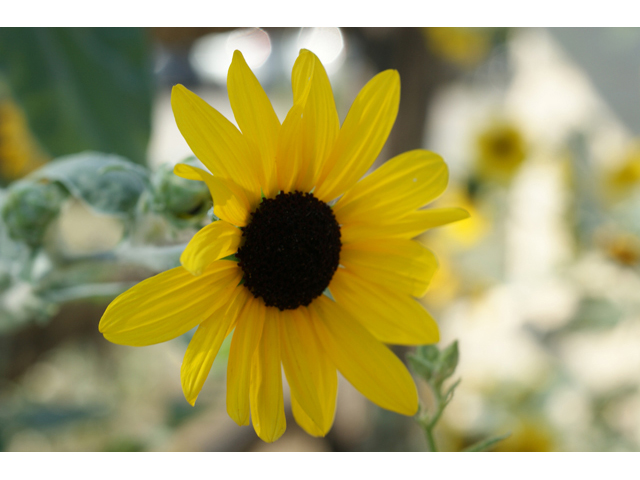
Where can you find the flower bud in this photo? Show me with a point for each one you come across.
(30, 207)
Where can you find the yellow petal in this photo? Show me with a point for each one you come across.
(266, 400)
(213, 242)
(398, 264)
(203, 347)
(409, 226)
(313, 380)
(216, 142)
(365, 362)
(401, 185)
(255, 116)
(243, 345)
(320, 123)
(391, 317)
(229, 200)
(165, 306)
(289, 159)
(362, 136)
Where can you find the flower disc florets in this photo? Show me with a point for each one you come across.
(290, 250)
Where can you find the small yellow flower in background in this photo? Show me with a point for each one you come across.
(447, 283)
(263, 269)
(501, 149)
(626, 178)
(466, 47)
(529, 435)
(19, 153)
(465, 235)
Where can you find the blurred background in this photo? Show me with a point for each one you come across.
(540, 129)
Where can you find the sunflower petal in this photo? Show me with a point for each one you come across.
(167, 305)
(325, 379)
(362, 136)
(212, 242)
(216, 141)
(398, 264)
(365, 362)
(407, 227)
(289, 159)
(320, 123)
(401, 185)
(312, 379)
(243, 345)
(391, 317)
(305, 421)
(203, 347)
(255, 116)
(266, 399)
(229, 200)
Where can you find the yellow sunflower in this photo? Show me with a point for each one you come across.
(303, 282)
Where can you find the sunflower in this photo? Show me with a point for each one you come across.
(303, 282)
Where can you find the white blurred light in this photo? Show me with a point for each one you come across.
(211, 55)
(326, 42)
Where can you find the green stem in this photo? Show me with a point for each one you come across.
(429, 423)
(484, 445)
(431, 441)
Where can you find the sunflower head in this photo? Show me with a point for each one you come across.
(289, 250)
(310, 267)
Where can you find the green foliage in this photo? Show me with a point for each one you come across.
(29, 208)
(107, 183)
(435, 366)
(484, 445)
(182, 202)
(593, 314)
(125, 444)
(36, 275)
(82, 88)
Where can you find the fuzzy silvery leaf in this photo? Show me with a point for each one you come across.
(109, 184)
(423, 361)
(433, 364)
(183, 202)
(29, 208)
(448, 361)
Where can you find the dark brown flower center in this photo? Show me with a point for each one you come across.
(503, 146)
(290, 250)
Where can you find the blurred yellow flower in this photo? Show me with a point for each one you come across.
(19, 153)
(624, 179)
(281, 243)
(501, 149)
(446, 284)
(468, 233)
(529, 435)
(463, 46)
